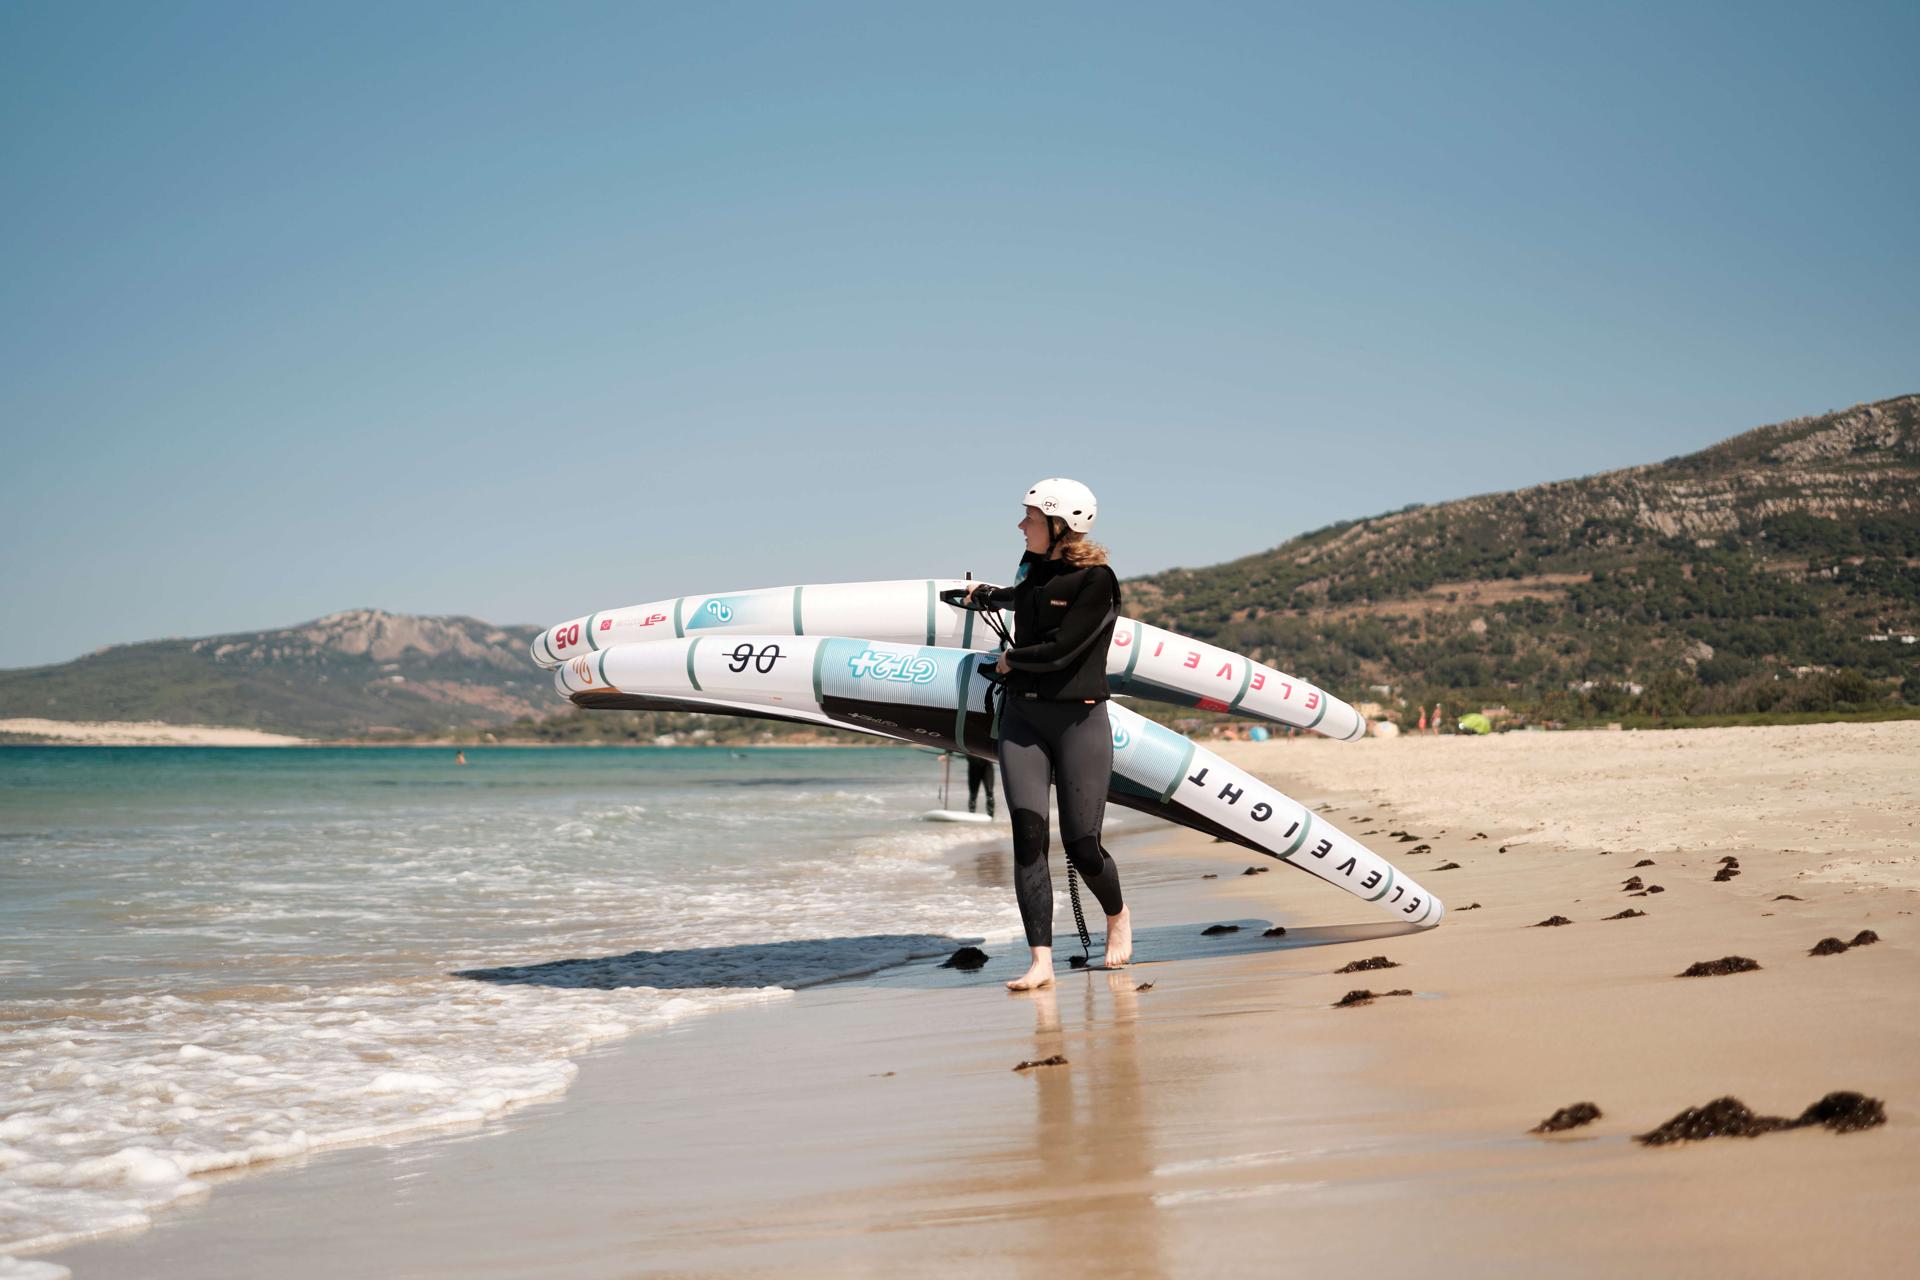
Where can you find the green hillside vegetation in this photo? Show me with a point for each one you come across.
(1749, 579)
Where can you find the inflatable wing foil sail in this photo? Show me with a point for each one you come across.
(1143, 661)
(936, 696)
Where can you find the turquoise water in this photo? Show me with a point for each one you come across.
(214, 956)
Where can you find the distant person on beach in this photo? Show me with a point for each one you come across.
(459, 757)
(1065, 601)
(979, 774)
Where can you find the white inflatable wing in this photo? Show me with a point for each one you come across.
(1165, 666)
(1143, 661)
(936, 696)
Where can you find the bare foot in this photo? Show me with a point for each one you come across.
(1119, 938)
(1039, 973)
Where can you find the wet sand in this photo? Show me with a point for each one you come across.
(1229, 1117)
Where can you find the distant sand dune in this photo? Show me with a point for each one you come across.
(148, 733)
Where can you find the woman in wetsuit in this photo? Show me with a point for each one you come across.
(1053, 726)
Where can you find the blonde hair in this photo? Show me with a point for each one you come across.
(1077, 549)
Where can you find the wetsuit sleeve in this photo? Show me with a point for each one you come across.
(1090, 612)
(1002, 597)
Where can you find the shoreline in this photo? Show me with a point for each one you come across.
(36, 732)
(10, 739)
(873, 1123)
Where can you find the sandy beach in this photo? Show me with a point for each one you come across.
(142, 733)
(1216, 1113)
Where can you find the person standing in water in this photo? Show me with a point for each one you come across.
(979, 774)
(1054, 725)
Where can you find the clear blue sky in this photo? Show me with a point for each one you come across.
(522, 310)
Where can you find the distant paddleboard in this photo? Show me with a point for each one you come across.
(955, 815)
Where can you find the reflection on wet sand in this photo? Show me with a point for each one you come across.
(1084, 1175)
(991, 866)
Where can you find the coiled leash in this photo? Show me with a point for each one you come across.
(1085, 958)
(997, 685)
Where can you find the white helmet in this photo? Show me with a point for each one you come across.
(1069, 499)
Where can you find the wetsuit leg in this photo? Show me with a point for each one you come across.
(979, 773)
(1025, 771)
(1082, 768)
(1070, 743)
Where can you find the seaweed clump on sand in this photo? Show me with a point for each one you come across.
(1833, 946)
(1256, 871)
(1553, 922)
(1278, 931)
(1644, 862)
(1215, 930)
(1787, 897)
(1471, 906)
(1353, 999)
(1568, 1118)
(966, 959)
(1725, 874)
(1448, 866)
(1361, 966)
(1726, 1117)
(1714, 968)
(1634, 882)
(1629, 914)
(1057, 1060)
(1842, 1112)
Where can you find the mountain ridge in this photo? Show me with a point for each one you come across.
(1695, 585)
(351, 672)
(1753, 541)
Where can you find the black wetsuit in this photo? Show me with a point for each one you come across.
(1054, 726)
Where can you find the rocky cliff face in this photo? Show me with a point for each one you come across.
(380, 636)
(1859, 463)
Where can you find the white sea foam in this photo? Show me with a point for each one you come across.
(111, 1112)
(12, 1268)
(278, 976)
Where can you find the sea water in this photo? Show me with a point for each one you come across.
(213, 957)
